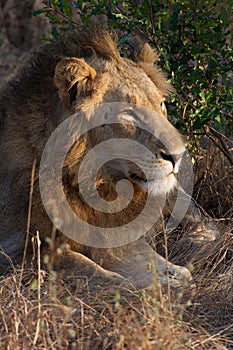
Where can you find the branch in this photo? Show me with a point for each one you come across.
(224, 148)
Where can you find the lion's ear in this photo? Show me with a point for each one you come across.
(73, 77)
(143, 52)
(146, 59)
(147, 55)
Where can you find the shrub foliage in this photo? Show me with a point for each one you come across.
(194, 40)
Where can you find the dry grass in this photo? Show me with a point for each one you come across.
(39, 311)
(57, 316)
(214, 176)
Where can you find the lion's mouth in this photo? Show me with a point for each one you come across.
(156, 186)
(137, 178)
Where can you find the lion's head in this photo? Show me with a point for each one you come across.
(100, 76)
(79, 74)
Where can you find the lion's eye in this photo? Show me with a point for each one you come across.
(163, 108)
(129, 116)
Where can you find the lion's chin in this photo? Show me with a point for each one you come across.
(159, 187)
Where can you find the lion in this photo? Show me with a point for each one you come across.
(77, 74)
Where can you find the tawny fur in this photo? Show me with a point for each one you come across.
(75, 73)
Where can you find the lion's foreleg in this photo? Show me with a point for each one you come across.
(73, 264)
(145, 268)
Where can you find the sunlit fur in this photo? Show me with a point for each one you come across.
(75, 73)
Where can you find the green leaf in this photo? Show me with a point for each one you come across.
(38, 12)
(202, 95)
(65, 7)
(224, 16)
(55, 33)
(34, 284)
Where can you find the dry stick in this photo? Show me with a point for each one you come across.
(223, 146)
(152, 18)
(212, 337)
(38, 290)
(82, 325)
(16, 331)
(3, 318)
(166, 257)
(63, 15)
(28, 221)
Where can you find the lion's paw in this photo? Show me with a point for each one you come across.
(202, 232)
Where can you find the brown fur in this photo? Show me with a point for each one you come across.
(75, 73)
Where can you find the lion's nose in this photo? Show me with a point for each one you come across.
(175, 159)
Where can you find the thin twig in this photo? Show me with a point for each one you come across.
(63, 15)
(152, 18)
(166, 257)
(28, 221)
(38, 290)
(222, 145)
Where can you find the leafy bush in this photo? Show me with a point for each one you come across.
(194, 40)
